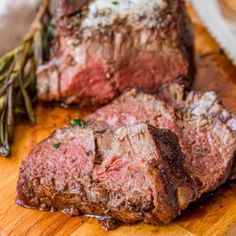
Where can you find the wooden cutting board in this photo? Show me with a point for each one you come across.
(216, 216)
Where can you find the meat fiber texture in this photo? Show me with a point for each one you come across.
(138, 159)
(103, 48)
(108, 176)
(206, 138)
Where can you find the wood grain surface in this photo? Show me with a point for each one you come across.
(216, 216)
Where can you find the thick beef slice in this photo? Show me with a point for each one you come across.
(140, 176)
(199, 104)
(210, 147)
(99, 51)
(208, 104)
(143, 159)
(207, 141)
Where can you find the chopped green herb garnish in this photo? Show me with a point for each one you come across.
(74, 24)
(78, 122)
(175, 96)
(56, 145)
(115, 2)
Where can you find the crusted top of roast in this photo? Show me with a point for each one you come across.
(103, 13)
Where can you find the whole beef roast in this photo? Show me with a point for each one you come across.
(138, 159)
(102, 48)
(134, 174)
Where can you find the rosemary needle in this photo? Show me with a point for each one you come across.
(17, 75)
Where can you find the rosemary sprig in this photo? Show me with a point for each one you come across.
(17, 78)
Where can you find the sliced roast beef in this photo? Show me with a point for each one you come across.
(206, 139)
(208, 104)
(128, 165)
(199, 104)
(102, 48)
(135, 173)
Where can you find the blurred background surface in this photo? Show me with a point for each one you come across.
(15, 19)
